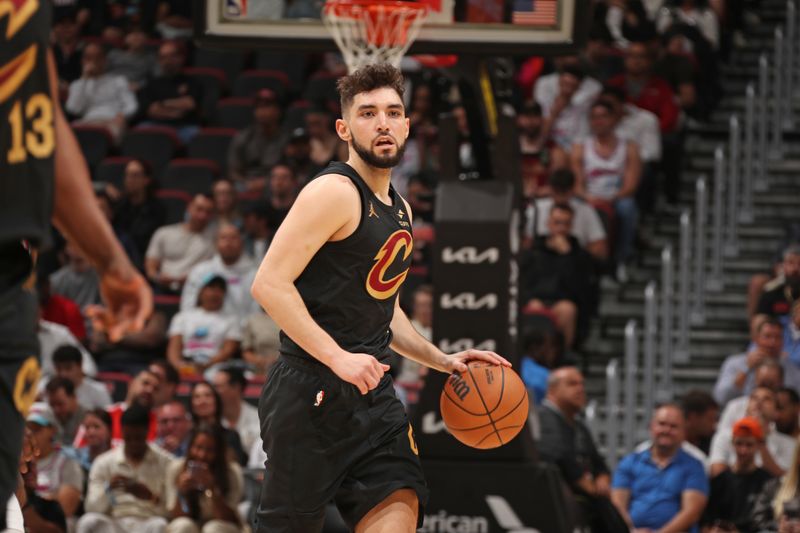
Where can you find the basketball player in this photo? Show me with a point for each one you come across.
(42, 174)
(332, 426)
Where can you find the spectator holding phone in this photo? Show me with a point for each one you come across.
(204, 489)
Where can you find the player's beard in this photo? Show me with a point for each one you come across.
(379, 161)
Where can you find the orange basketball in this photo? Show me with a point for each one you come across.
(486, 406)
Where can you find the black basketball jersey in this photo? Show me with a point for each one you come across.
(350, 286)
(27, 132)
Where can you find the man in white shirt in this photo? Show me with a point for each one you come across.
(51, 336)
(237, 414)
(586, 225)
(91, 394)
(231, 263)
(565, 97)
(98, 97)
(176, 248)
(768, 374)
(127, 483)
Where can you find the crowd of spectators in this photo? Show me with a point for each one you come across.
(601, 135)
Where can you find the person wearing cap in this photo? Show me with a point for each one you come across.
(230, 263)
(202, 337)
(734, 490)
(774, 451)
(59, 477)
(255, 149)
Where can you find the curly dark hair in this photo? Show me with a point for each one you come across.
(368, 79)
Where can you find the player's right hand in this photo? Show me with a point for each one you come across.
(360, 369)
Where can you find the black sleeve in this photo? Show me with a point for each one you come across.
(765, 303)
(599, 465)
(556, 447)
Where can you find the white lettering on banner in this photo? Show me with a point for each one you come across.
(460, 345)
(432, 424)
(468, 301)
(469, 255)
(504, 515)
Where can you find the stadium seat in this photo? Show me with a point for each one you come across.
(215, 84)
(212, 143)
(95, 141)
(190, 175)
(294, 65)
(112, 170)
(232, 62)
(296, 115)
(169, 304)
(321, 89)
(236, 113)
(174, 202)
(251, 81)
(155, 144)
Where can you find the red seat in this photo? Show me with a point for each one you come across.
(95, 142)
(174, 202)
(236, 113)
(214, 83)
(250, 82)
(192, 176)
(155, 144)
(213, 144)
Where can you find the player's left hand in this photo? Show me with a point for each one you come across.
(128, 299)
(457, 362)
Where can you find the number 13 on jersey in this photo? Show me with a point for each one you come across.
(32, 130)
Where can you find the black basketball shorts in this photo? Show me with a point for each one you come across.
(325, 441)
(19, 376)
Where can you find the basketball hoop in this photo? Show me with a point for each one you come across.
(373, 31)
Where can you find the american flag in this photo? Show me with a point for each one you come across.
(535, 12)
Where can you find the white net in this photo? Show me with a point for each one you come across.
(372, 31)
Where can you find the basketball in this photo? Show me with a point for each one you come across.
(486, 406)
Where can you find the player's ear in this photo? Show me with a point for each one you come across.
(408, 127)
(342, 130)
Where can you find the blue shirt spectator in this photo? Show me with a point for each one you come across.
(535, 375)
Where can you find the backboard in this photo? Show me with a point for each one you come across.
(469, 27)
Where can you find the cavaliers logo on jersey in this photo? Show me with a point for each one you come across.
(378, 286)
(18, 12)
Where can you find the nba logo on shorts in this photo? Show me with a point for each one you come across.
(236, 8)
(320, 397)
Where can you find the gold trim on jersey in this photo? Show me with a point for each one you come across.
(16, 71)
(18, 14)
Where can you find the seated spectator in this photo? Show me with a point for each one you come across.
(787, 417)
(677, 68)
(204, 336)
(297, 154)
(58, 309)
(768, 374)
(282, 193)
(257, 148)
(97, 439)
(100, 98)
(206, 408)
(565, 97)
(260, 342)
(230, 263)
(51, 336)
(257, 229)
(173, 98)
(542, 352)
(411, 375)
(138, 213)
(540, 154)
(169, 379)
(700, 413)
(204, 489)
(127, 484)
(566, 442)
(142, 391)
(59, 477)
(781, 292)
(663, 487)
(325, 144)
(77, 280)
(174, 19)
(37, 514)
(777, 507)
(135, 62)
(237, 414)
(176, 248)
(555, 274)
(67, 49)
(91, 394)
(602, 59)
(134, 351)
(791, 334)
(737, 377)
(65, 407)
(106, 205)
(637, 125)
(587, 227)
(174, 426)
(607, 171)
(226, 210)
(734, 491)
(694, 13)
(775, 450)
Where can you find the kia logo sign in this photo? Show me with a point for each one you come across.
(469, 255)
(468, 301)
(460, 345)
